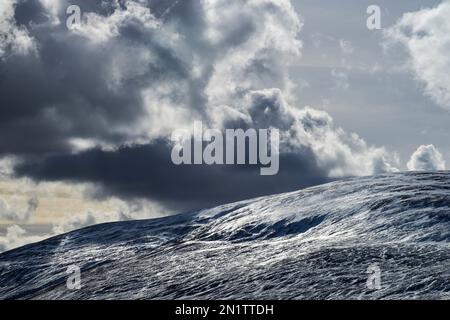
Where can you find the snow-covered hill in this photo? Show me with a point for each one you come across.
(314, 243)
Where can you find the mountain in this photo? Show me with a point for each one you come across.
(319, 243)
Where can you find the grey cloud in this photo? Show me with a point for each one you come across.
(136, 70)
(66, 90)
(23, 214)
(16, 236)
(147, 171)
(81, 87)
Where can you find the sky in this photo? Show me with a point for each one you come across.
(87, 108)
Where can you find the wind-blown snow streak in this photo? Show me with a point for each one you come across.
(314, 243)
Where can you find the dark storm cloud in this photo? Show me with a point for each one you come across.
(47, 100)
(147, 171)
(29, 12)
(65, 90)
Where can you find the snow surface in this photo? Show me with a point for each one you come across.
(316, 243)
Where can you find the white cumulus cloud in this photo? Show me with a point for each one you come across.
(425, 34)
(337, 152)
(426, 158)
(15, 237)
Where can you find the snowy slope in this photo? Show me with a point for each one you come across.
(314, 243)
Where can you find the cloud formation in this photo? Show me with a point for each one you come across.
(14, 39)
(16, 236)
(18, 214)
(97, 104)
(426, 158)
(118, 211)
(312, 151)
(425, 35)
